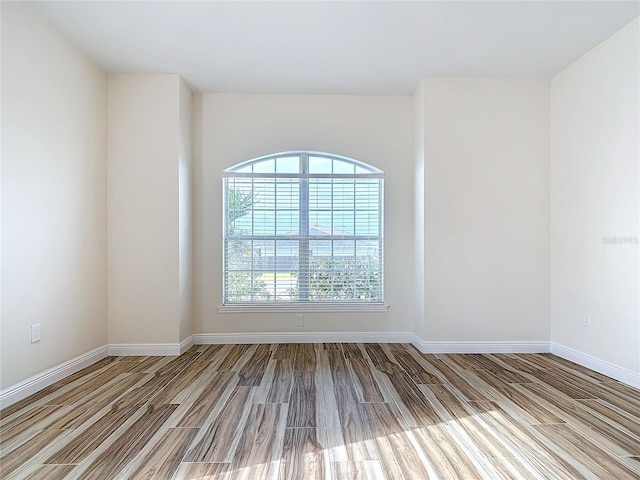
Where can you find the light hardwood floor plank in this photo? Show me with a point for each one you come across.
(596, 459)
(543, 455)
(338, 364)
(34, 418)
(166, 455)
(365, 385)
(365, 470)
(112, 461)
(217, 442)
(518, 400)
(25, 453)
(251, 373)
(302, 403)
(302, 455)
(356, 431)
(203, 471)
(50, 472)
(280, 389)
(514, 468)
(583, 420)
(446, 456)
(85, 443)
(180, 383)
(260, 447)
(397, 456)
(201, 408)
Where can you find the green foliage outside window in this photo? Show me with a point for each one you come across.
(342, 280)
(240, 285)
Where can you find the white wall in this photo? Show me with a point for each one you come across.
(143, 215)
(53, 197)
(486, 222)
(235, 128)
(595, 195)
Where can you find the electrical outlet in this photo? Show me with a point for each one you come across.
(586, 320)
(35, 333)
(299, 320)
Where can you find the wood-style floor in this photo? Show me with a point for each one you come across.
(326, 411)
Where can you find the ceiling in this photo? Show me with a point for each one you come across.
(335, 47)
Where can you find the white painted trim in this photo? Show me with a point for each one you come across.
(186, 344)
(372, 337)
(606, 368)
(146, 349)
(299, 307)
(481, 347)
(31, 385)
(306, 337)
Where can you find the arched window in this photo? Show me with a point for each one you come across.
(303, 227)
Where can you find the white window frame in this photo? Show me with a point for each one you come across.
(304, 238)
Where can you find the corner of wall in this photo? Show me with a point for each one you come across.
(419, 210)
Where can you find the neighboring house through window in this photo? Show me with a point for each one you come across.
(303, 227)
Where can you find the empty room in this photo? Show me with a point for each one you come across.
(337, 240)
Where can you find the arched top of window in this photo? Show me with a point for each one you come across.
(303, 163)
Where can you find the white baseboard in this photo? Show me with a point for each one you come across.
(371, 337)
(31, 385)
(145, 349)
(303, 337)
(186, 344)
(150, 349)
(481, 347)
(609, 369)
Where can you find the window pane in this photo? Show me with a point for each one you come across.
(319, 164)
(238, 205)
(341, 166)
(367, 194)
(266, 281)
(360, 169)
(343, 194)
(343, 248)
(288, 194)
(320, 269)
(367, 223)
(368, 253)
(264, 194)
(286, 267)
(245, 169)
(286, 255)
(287, 222)
(343, 223)
(238, 255)
(320, 249)
(320, 194)
(242, 226)
(263, 254)
(319, 223)
(288, 165)
(264, 222)
(265, 166)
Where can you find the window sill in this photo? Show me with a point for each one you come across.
(303, 307)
